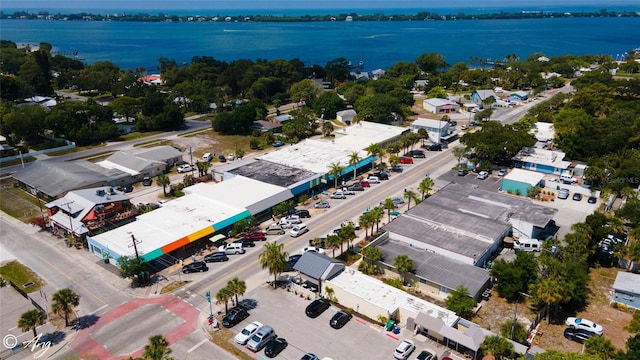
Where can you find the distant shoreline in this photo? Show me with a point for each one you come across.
(345, 16)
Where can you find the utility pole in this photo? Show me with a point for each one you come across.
(135, 248)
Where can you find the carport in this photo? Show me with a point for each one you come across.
(315, 268)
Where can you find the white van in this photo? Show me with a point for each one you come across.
(207, 157)
(298, 230)
(526, 244)
(568, 179)
(233, 248)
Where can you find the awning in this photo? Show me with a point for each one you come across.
(216, 238)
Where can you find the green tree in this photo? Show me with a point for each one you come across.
(305, 91)
(403, 265)
(237, 287)
(431, 62)
(549, 291)
(374, 150)
(497, 346)
(514, 277)
(163, 180)
(371, 255)
(332, 242)
(335, 169)
(223, 296)
(157, 349)
(514, 330)
(410, 195)
(131, 268)
(30, 320)
(437, 92)
(599, 346)
(63, 302)
(425, 186)
(327, 128)
(460, 302)
(497, 143)
(274, 258)
(354, 158)
(459, 152)
(377, 213)
(634, 325)
(388, 205)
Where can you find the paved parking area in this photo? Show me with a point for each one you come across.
(358, 339)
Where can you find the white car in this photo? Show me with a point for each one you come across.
(293, 219)
(483, 175)
(584, 324)
(404, 349)
(185, 168)
(338, 195)
(247, 332)
(284, 224)
(313, 249)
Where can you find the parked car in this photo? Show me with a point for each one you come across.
(303, 213)
(404, 349)
(453, 123)
(592, 200)
(234, 316)
(277, 143)
(313, 249)
(339, 319)
(373, 180)
(317, 307)
(185, 168)
(274, 229)
(502, 172)
(427, 355)
(563, 194)
(433, 147)
(198, 266)
(243, 336)
(415, 154)
(233, 249)
(463, 172)
(298, 230)
(577, 197)
(256, 236)
(364, 183)
(218, 256)
(396, 168)
(322, 205)
(584, 324)
(483, 175)
(338, 195)
(246, 241)
(275, 347)
(406, 160)
(346, 191)
(146, 181)
(355, 187)
(222, 158)
(126, 188)
(382, 175)
(207, 157)
(293, 219)
(261, 338)
(464, 127)
(397, 200)
(578, 335)
(309, 356)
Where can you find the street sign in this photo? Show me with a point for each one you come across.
(208, 296)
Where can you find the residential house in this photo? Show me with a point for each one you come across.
(519, 96)
(346, 116)
(479, 96)
(542, 160)
(136, 166)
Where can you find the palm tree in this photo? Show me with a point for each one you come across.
(157, 349)
(372, 150)
(335, 169)
(364, 221)
(203, 167)
(424, 134)
(63, 302)
(327, 128)
(274, 258)
(394, 159)
(354, 158)
(31, 319)
(497, 346)
(410, 195)
(459, 152)
(377, 214)
(372, 254)
(389, 205)
(237, 287)
(403, 264)
(333, 242)
(425, 186)
(551, 292)
(223, 296)
(163, 180)
(600, 347)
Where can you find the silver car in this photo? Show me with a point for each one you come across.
(322, 205)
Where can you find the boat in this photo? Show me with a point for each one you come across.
(361, 64)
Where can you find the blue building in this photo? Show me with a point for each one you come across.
(542, 161)
(626, 289)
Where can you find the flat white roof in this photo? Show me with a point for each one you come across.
(380, 294)
(524, 176)
(627, 282)
(546, 157)
(316, 155)
(543, 131)
(439, 102)
(238, 191)
(430, 123)
(184, 217)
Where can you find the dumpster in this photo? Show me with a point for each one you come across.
(390, 324)
(396, 329)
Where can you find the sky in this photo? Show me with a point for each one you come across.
(296, 4)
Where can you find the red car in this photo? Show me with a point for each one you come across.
(364, 183)
(256, 236)
(406, 160)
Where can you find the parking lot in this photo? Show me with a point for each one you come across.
(358, 339)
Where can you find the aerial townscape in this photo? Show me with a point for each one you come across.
(244, 209)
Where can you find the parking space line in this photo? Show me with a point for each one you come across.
(361, 322)
(197, 345)
(393, 337)
(376, 328)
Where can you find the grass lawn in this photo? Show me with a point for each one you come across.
(18, 203)
(20, 275)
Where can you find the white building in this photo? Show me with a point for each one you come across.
(440, 106)
(439, 131)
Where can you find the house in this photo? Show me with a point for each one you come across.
(541, 160)
(166, 154)
(5, 148)
(626, 289)
(281, 119)
(266, 126)
(360, 75)
(44, 101)
(479, 96)
(136, 166)
(377, 73)
(440, 106)
(519, 96)
(519, 181)
(82, 211)
(346, 116)
(439, 131)
(317, 268)
(152, 79)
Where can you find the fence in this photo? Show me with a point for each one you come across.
(70, 145)
(26, 296)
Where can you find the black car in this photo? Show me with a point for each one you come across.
(218, 256)
(302, 213)
(426, 355)
(317, 307)
(355, 187)
(381, 175)
(577, 197)
(198, 266)
(396, 168)
(126, 188)
(592, 199)
(578, 335)
(275, 347)
(340, 319)
(234, 316)
(146, 181)
(222, 158)
(416, 154)
(433, 147)
(246, 242)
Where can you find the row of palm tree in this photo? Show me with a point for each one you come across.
(235, 287)
(274, 259)
(63, 303)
